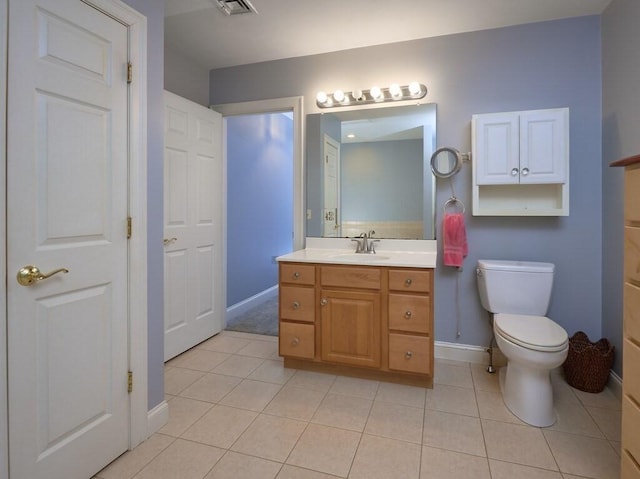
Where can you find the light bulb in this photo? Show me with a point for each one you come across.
(375, 92)
(321, 97)
(395, 90)
(414, 88)
(357, 94)
(338, 96)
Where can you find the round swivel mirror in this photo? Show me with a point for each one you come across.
(446, 162)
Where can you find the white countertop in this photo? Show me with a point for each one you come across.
(404, 253)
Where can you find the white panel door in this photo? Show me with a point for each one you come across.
(497, 148)
(331, 215)
(544, 144)
(192, 224)
(67, 208)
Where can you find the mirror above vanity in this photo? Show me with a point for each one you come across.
(369, 169)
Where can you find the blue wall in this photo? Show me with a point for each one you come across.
(534, 66)
(259, 201)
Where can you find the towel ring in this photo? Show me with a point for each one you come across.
(453, 202)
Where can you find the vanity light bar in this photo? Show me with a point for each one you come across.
(395, 92)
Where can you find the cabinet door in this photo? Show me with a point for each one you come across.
(544, 146)
(351, 328)
(496, 148)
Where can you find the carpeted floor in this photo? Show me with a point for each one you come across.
(262, 319)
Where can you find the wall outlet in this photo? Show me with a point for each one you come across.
(308, 214)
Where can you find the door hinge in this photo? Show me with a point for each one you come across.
(130, 382)
(129, 72)
(129, 227)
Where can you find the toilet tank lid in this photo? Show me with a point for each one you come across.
(522, 266)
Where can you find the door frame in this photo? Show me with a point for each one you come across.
(295, 105)
(137, 248)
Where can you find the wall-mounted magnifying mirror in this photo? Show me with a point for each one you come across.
(447, 161)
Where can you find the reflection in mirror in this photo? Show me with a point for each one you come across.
(369, 169)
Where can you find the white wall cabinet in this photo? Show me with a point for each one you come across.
(521, 163)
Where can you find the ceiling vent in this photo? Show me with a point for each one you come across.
(235, 7)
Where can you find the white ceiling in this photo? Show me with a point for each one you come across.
(291, 28)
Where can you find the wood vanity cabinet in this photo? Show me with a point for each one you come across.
(630, 456)
(368, 321)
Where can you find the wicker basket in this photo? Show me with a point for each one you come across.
(588, 364)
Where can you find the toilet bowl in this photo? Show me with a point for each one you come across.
(518, 294)
(525, 382)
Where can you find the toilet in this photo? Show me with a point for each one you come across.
(517, 293)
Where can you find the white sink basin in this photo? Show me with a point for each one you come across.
(360, 257)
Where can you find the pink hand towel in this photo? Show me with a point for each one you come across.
(454, 237)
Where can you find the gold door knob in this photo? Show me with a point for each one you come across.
(408, 281)
(295, 341)
(30, 275)
(296, 305)
(408, 354)
(407, 315)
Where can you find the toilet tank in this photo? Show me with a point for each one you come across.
(516, 287)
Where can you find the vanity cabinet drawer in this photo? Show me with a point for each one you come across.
(409, 353)
(350, 277)
(415, 280)
(628, 466)
(630, 431)
(632, 312)
(632, 254)
(631, 203)
(297, 304)
(409, 313)
(631, 368)
(297, 340)
(297, 273)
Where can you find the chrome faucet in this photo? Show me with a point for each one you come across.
(365, 243)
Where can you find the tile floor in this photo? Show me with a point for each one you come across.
(235, 412)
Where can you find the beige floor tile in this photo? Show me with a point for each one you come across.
(250, 336)
(442, 464)
(183, 460)
(575, 419)
(395, 421)
(132, 462)
(617, 446)
(220, 427)
(236, 466)
(270, 437)
(240, 366)
(260, 349)
(606, 399)
(272, 371)
(224, 344)
(571, 476)
(454, 432)
(293, 472)
(401, 394)
(252, 395)
(519, 444)
(178, 379)
(199, 359)
(584, 456)
(325, 449)
(484, 381)
(312, 380)
(562, 392)
(452, 399)
(346, 412)
(295, 403)
(507, 470)
(211, 387)
(452, 375)
(491, 406)
(363, 388)
(383, 458)
(608, 420)
(183, 413)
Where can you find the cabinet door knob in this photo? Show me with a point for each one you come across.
(295, 341)
(296, 275)
(407, 314)
(296, 305)
(408, 281)
(525, 171)
(514, 172)
(323, 302)
(408, 354)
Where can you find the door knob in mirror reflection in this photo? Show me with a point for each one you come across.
(168, 241)
(30, 275)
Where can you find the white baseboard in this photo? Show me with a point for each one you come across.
(157, 417)
(242, 307)
(615, 385)
(468, 353)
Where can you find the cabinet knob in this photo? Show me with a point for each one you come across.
(514, 172)
(407, 314)
(296, 275)
(525, 171)
(408, 281)
(323, 302)
(296, 305)
(295, 341)
(408, 354)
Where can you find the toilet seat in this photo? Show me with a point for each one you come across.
(537, 333)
